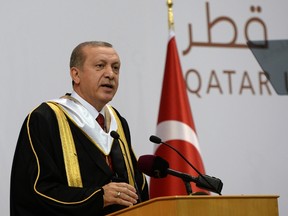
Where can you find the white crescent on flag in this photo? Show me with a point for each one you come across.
(177, 130)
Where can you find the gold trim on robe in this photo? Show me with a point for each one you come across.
(69, 151)
(84, 116)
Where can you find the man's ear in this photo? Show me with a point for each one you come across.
(74, 73)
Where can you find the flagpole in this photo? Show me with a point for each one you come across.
(175, 124)
(170, 15)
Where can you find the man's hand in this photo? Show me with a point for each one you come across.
(119, 193)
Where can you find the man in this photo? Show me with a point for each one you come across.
(65, 162)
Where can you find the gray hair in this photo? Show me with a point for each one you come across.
(77, 57)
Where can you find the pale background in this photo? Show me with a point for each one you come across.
(242, 136)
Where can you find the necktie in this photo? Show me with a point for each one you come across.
(101, 121)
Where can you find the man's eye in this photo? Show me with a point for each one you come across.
(116, 69)
(99, 66)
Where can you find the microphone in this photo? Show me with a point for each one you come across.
(157, 167)
(211, 183)
(116, 136)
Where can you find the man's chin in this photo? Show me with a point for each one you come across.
(106, 99)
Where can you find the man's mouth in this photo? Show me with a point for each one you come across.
(107, 85)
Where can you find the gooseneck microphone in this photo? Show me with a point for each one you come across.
(157, 167)
(212, 184)
(116, 136)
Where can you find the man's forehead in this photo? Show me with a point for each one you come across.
(102, 53)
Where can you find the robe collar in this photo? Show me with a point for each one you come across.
(87, 123)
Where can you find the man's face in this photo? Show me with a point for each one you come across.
(97, 80)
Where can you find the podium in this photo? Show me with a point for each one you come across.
(242, 205)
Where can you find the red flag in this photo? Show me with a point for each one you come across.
(175, 126)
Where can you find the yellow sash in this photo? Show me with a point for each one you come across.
(69, 150)
(68, 147)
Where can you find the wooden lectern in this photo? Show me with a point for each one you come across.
(244, 205)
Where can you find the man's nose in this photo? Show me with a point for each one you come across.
(109, 72)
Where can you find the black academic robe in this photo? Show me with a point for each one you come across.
(38, 177)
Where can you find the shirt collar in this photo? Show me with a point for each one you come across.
(87, 105)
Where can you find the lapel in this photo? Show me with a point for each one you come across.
(91, 150)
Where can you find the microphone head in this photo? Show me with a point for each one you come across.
(114, 134)
(155, 139)
(214, 185)
(153, 166)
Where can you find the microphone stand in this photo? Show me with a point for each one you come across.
(188, 187)
(185, 178)
(208, 184)
(116, 136)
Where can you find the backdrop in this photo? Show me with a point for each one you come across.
(240, 120)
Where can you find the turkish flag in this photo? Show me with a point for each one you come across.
(176, 127)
